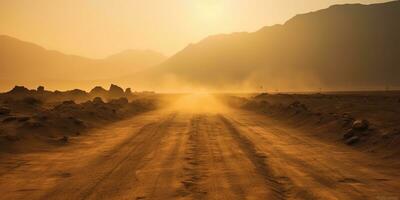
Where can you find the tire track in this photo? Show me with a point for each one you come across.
(194, 171)
(258, 159)
(123, 161)
(169, 159)
(215, 139)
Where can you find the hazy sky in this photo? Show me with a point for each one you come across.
(97, 28)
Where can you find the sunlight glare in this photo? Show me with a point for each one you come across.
(199, 103)
(209, 11)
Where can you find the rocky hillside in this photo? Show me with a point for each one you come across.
(342, 47)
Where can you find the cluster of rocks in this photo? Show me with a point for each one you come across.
(264, 106)
(69, 117)
(114, 92)
(357, 130)
(21, 92)
(92, 108)
(298, 107)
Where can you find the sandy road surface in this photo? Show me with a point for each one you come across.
(197, 155)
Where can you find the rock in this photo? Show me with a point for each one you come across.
(40, 89)
(76, 121)
(116, 91)
(68, 102)
(360, 125)
(298, 106)
(77, 92)
(4, 111)
(349, 133)
(73, 94)
(98, 91)
(64, 139)
(352, 140)
(19, 90)
(98, 100)
(128, 92)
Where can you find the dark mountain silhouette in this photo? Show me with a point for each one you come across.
(350, 46)
(24, 62)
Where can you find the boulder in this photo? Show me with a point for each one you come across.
(98, 100)
(68, 102)
(116, 91)
(360, 125)
(353, 140)
(98, 91)
(76, 93)
(64, 139)
(128, 92)
(349, 133)
(40, 89)
(19, 90)
(76, 121)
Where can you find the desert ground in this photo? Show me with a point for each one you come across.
(202, 146)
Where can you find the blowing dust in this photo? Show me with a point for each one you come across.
(198, 103)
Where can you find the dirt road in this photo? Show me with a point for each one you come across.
(197, 155)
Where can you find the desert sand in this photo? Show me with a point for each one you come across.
(201, 149)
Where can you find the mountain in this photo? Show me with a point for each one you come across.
(130, 61)
(350, 46)
(27, 63)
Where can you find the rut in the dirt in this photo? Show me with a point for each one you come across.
(124, 160)
(194, 170)
(258, 159)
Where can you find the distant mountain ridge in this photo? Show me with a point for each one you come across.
(343, 47)
(23, 62)
(350, 46)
